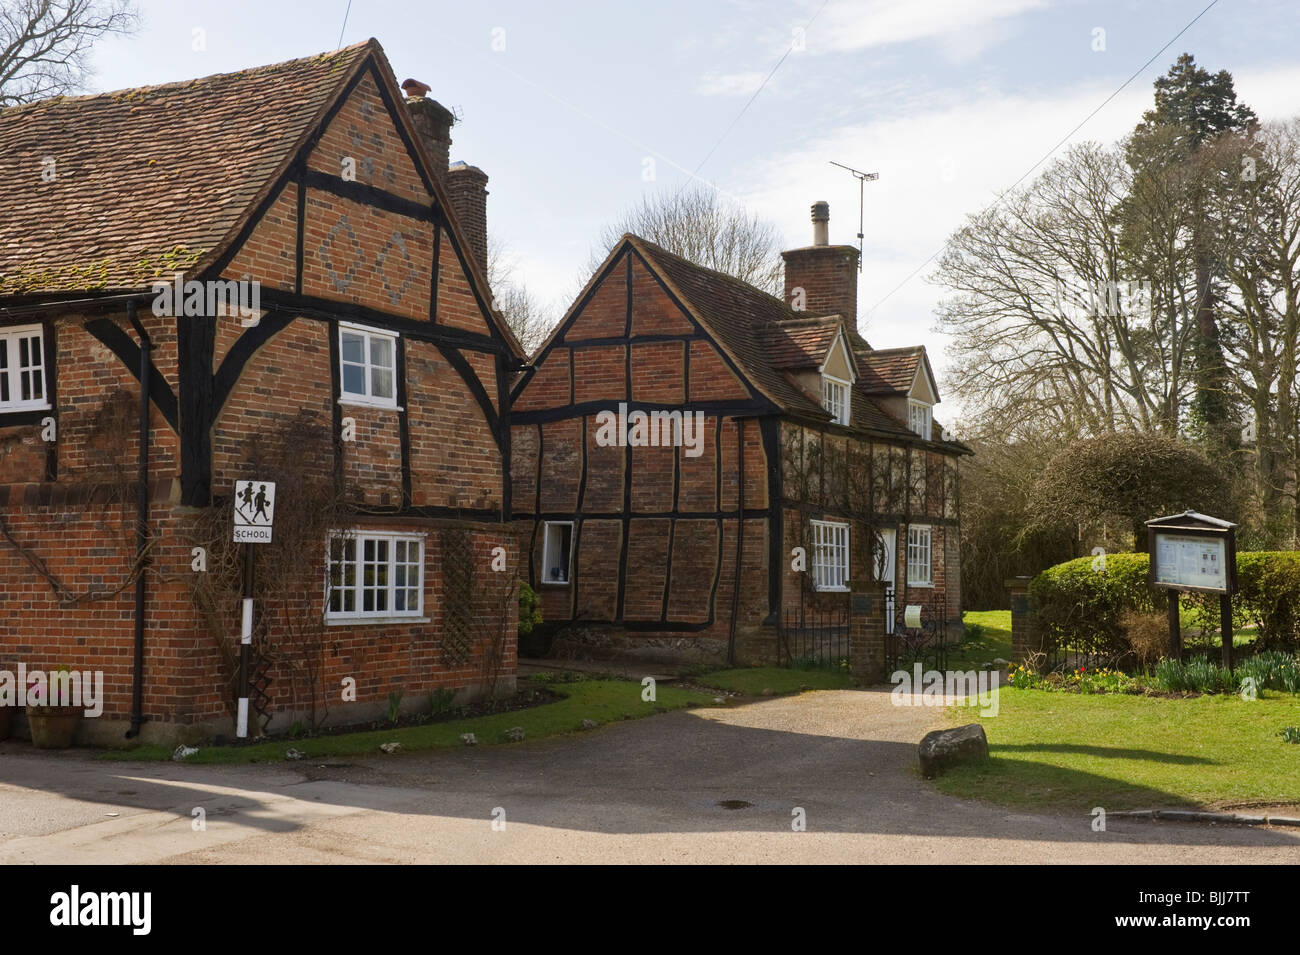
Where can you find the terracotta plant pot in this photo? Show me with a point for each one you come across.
(53, 726)
(6, 721)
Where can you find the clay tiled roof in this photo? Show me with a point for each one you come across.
(769, 339)
(738, 314)
(890, 370)
(149, 181)
(801, 343)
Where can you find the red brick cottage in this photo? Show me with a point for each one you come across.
(369, 378)
(809, 439)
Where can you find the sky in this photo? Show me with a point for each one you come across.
(576, 110)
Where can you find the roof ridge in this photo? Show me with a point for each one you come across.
(731, 279)
(897, 348)
(345, 53)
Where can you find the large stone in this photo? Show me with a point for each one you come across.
(944, 748)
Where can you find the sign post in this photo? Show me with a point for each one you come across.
(1197, 553)
(254, 522)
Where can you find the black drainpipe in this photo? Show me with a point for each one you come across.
(141, 526)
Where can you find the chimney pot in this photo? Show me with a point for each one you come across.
(414, 89)
(821, 217)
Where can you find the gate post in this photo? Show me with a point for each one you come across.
(867, 633)
(1025, 640)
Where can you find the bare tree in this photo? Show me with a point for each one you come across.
(45, 44)
(530, 321)
(1256, 206)
(699, 225)
(1054, 324)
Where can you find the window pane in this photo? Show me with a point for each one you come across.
(354, 348)
(354, 380)
(381, 352)
(381, 383)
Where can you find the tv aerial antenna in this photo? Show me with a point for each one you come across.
(863, 178)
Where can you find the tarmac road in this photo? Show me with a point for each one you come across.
(651, 790)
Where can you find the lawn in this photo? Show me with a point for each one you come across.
(1071, 752)
(993, 642)
(604, 701)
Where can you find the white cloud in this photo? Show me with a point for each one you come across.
(729, 84)
(859, 25)
(937, 164)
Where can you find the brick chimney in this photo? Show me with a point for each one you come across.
(821, 277)
(467, 193)
(432, 122)
(465, 185)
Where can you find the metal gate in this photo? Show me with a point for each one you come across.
(813, 638)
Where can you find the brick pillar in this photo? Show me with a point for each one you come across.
(867, 633)
(1024, 634)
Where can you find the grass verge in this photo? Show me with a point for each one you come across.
(604, 701)
(1072, 752)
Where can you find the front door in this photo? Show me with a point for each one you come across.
(886, 566)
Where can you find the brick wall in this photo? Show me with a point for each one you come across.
(828, 274)
(80, 526)
(680, 569)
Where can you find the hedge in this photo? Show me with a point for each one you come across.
(1079, 606)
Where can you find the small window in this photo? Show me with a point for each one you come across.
(367, 365)
(918, 418)
(22, 369)
(835, 398)
(375, 576)
(557, 552)
(830, 557)
(918, 556)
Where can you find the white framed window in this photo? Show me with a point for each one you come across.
(918, 556)
(919, 418)
(367, 366)
(22, 369)
(835, 398)
(374, 576)
(557, 552)
(830, 556)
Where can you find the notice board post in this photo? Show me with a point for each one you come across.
(1195, 553)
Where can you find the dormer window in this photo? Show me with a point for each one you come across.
(918, 417)
(835, 398)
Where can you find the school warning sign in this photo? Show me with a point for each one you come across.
(254, 511)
